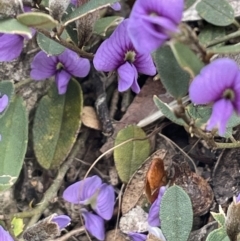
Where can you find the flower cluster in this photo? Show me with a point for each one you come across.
(62, 67)
(218, 83)
(153, 220)
(99, 196)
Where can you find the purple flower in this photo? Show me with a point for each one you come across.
(137, 236)
(152, 22)
(153, 216)
(4, 235)
(218, 83)
(99, 196)
(238, 198)
(3, 103)
(118, 53)
(116, 6)
(62, 66)
(94, 224)
(62, 221)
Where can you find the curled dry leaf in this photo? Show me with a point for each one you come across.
(90, 119)
(152, 237)
(156, 177)
(135, 187)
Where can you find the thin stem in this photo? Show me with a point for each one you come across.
(227, 145)
(66, 44)
(70, 234)
(224, 39)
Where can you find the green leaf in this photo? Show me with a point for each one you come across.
(186, 58)
(17, 226)
(103, 24)
(56, 124)
(13, 26)
(37, 20)
(218, 235)
(231, 49)
(167, 111)
(234, 121)
(219, 217)
(83, 10)
(189, 3)
(129, 157)
(49, 46)
(13, 144)
(216, 12)
(176, 214)
(7, 88)
(211, 32)
(174, 78)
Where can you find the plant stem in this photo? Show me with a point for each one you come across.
(227, 145)
(223, 39)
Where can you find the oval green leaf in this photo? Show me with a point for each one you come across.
(231, 49)
(37, 20)
(56, 124)
(83, 10)
(13, 144)
(174, 78)
(220, 218)
(49, 46)
(7, 88)
(176, 214)
(216, 12)
(167, 111)
(218, 235)
(130, 156)
(186, 58)
(13, 26)
(103, 24)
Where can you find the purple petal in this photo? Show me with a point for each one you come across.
(213, 80)
(137, 236)
(62, 221)
(111, 53)
(4, 235)
(74, 2)
(153, 216)
(74, 64)
(116, 6)
(238, 198)
(11, 46)
(3, 103)
(94, 224)
(221, 113)
(105, 202)
(43, 66)
(126, 75)
(82, 191)
(144, 64)
(62, 80)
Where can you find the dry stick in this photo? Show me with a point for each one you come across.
(70, 234)
(53, 189)
(66, 44)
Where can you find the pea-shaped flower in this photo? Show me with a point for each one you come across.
(4, 235)
(152, 22)
(117, 53)
(218, 83)
(99, 196)
(62, 67)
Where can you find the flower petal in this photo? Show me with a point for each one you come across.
(62, 80)
(144, 64)
(137, 236)
(62, 221)
(111, 53)
(126, 76)
(153, 216)
(3, 103)
(11, 46)
(43, 66)
(135, 86)
(218, 119)
(213, 79)
(238, 198)
(94, 224)
(105, 202)
(4, 235)
(83, 190)
(157, 232)
(74, 64)
(116, 6)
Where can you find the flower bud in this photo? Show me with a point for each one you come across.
(58, 8)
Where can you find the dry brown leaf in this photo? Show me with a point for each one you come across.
(89, 118)
(152, 237)
(135, 187)
(115, 235)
